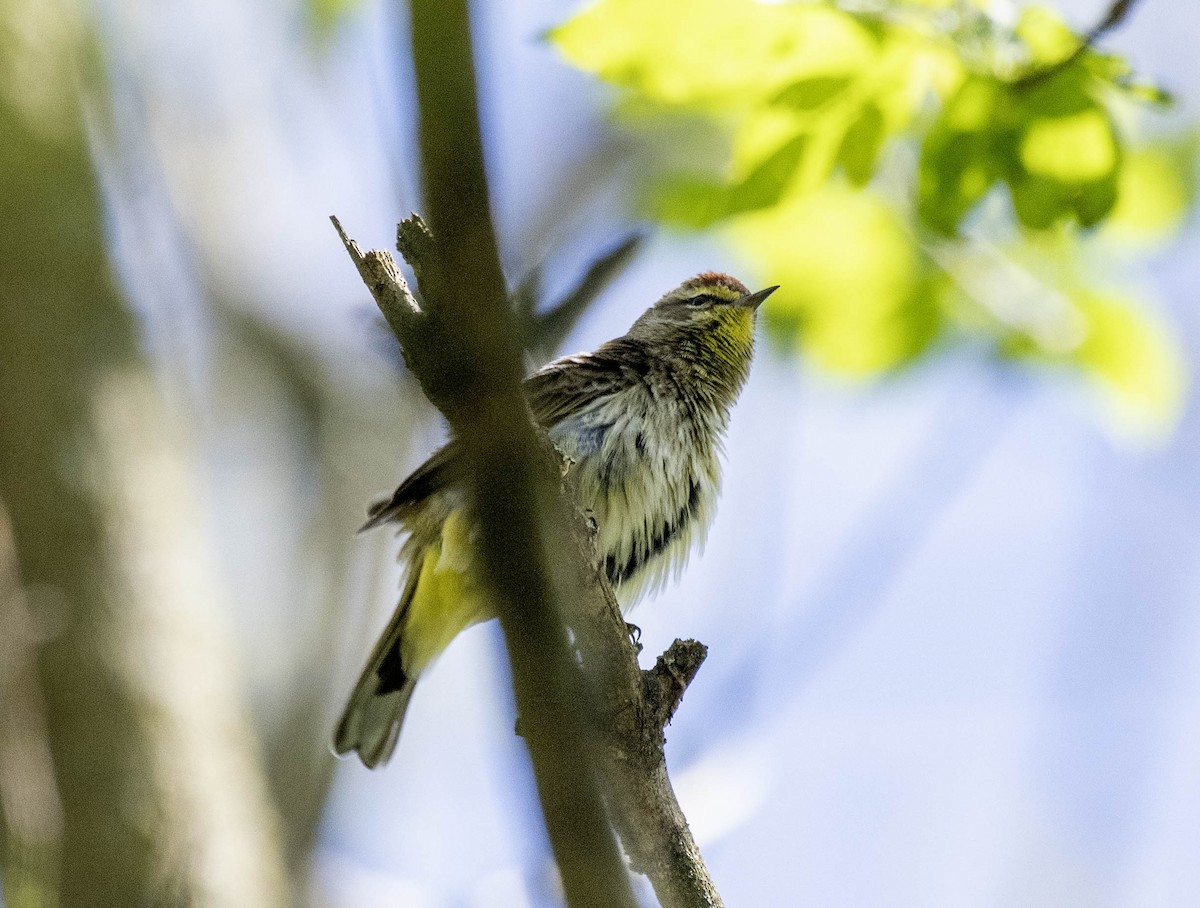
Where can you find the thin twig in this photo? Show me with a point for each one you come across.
(550, 328)
(672, 673)
(378, 270)
(1116, 15)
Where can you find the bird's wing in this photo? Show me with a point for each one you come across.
(569, 385)
(439, 471)
(555, 392)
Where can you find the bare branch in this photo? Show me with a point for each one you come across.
(414, 241)
(378, 270)
(550, 328)
(466, 355)
(672, 673)
(636, 706)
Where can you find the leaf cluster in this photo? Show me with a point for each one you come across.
(900, 167)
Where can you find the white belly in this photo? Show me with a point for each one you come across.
(651, 491)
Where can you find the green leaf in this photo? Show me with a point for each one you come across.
(1045, 35)
(1067, 158)
(730, 54)
(1068, 91)
(768, 182)
(958, 163)
(780, 97)
(1039, 202)
(1133, 358)
(696, 202)
(1156, 188)
(1043, 202)
(809, 94)
(1094, 201)
(1054, 145)
(851, 288)
(1077, 148)
(862, 144)
(324, 15)
(689, 201)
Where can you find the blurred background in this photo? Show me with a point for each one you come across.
(950, 595)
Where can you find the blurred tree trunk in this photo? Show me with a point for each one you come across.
(162, 801)
(349, 435)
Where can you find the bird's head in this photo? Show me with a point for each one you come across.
(709, 297)
(713, 311)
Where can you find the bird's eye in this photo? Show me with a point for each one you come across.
(701, 299)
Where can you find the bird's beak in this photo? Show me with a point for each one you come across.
(754, 300)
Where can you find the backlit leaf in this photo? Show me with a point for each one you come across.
(994, 143)
(715, 53)
(862, 144)
(849, 277)
(959, 161)
(1135, 361)
(1155, 191)
(1074, 149)
(808, 94)
(1045, 35)
(698, 202)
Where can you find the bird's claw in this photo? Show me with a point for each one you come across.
(635, 635)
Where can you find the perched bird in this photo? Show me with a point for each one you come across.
(640, 420)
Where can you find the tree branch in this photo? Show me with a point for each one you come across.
(544, 331)
(462, 344)
(1117, 13)
(672, 673)
(631, 706)
(387, 285)
(157, 797)
(466, 354)
(31, 821)
(634, 707)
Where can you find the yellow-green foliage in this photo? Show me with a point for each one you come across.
(893, 169)
(324, 16)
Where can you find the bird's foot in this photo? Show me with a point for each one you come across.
(635, 635)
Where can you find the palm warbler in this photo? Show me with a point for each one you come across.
(640, 419)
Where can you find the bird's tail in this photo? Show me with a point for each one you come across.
(371, 722)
